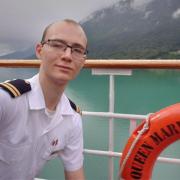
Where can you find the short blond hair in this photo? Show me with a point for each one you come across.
(70, 21)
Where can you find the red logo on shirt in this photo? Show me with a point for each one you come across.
(54, 142)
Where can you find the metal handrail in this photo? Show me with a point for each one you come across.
(108, 64)
(102, 63)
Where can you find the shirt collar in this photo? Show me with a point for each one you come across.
(64, 106)
(36, 98)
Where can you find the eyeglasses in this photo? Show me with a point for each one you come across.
(60, 46)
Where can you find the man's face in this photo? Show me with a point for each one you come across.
(57, 64)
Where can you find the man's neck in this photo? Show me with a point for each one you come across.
(52, 92)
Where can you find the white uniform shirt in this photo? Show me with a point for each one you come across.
(29, 135)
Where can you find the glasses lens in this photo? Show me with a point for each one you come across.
(57, 45)
(60, 46)
(78, 52)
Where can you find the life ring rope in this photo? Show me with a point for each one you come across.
(148, 140)
(140, 133)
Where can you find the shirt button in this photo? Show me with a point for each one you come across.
(45, 131)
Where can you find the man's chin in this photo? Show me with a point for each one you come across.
(63, 79)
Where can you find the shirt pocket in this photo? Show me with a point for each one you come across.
(11, 154)
(48, 155)
(53, 145)
(52, 150)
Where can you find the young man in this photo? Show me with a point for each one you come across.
(37, 121)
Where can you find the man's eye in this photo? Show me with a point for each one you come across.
(78, 50)
(56, 45)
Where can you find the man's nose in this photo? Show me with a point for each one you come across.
(67, 55)
(69, 49)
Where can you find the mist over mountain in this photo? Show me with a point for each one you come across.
(128, 30)
(22, 54)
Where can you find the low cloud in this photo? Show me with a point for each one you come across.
(22, 22)
(176, 14)
(140, 4)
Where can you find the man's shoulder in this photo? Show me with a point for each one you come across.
(74, 106)
(15, 87)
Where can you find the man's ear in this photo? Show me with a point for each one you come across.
(84, 61)
(38, 50)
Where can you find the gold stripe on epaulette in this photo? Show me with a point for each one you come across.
(10, 89)
(78, 110)
(14, 88)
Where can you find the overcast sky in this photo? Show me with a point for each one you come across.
(24, 20)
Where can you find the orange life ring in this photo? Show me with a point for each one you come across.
(164, 129)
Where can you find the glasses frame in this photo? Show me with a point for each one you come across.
(84, 55)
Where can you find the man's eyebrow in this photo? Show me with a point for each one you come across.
(59, 40)
(73, 44)
(77, 45)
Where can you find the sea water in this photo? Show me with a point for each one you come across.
(143, 92)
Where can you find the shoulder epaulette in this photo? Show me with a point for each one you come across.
(76, 108)
(16, 87)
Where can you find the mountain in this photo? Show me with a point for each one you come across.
(130, 29)
(125, 30)
(22, 54)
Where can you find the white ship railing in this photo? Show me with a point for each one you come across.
(111, 68)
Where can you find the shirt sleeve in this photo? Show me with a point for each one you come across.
(3, 103)
(72, 155)
(0, 110)
(5, 108)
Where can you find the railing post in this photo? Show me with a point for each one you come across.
(115, 64)
(132, 126)
(111, 126)
(111, 73)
